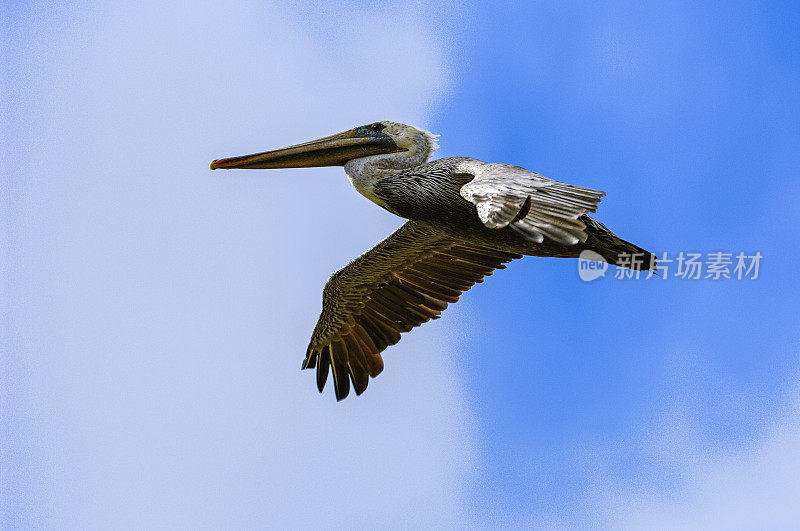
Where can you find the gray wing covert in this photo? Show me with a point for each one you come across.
(404, 281)
(531, 204)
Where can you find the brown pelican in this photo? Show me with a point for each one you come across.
(466, 218)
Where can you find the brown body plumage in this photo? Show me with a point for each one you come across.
(466, 218)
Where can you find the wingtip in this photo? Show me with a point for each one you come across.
(342, 387)
(341, 390)
(310, 360)
(323, 365)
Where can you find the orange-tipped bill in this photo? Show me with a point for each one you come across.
(333, 150)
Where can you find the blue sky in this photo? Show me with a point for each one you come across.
(156, 314)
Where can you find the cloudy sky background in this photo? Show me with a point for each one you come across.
(155, 314)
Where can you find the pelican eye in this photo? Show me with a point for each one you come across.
(377, 126)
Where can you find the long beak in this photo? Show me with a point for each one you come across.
(334, 150)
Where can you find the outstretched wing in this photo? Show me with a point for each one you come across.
(404, 281)
(532, 204)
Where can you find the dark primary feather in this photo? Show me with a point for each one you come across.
(615, 250)
(404, 281)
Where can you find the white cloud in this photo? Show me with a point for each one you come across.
(163, 310)
(755, 487)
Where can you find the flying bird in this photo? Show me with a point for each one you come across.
(466, 218)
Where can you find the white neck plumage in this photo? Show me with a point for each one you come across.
(364, 172)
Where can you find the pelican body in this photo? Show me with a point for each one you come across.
(466, 218)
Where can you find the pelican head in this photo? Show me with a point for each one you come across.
(387, 144)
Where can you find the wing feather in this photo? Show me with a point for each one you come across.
(531, 204)
(404, 281)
